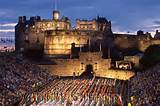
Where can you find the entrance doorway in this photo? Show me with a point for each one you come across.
(88, 73)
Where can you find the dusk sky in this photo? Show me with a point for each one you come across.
(126, 15)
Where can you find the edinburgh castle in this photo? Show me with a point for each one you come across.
(90, 42)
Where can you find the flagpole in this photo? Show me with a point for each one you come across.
(55, 4)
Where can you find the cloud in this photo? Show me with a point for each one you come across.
(151, 24)
(2, 13)
(157, 22)
(120, 30)
(129, 14)
(8, 25)
(7, 30)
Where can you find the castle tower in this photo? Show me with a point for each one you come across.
(56, 13)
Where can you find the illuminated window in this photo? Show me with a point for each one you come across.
(49, 25)
(58, 25)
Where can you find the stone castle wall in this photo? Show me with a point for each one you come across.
(140, 42)
(87, 25)
(125, 42)
(143, 45)
(101, 67)
(69, 67)
(66, 67)
(61, 44)
(52, 25)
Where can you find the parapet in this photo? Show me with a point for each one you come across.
(35, 18)
(22, 19)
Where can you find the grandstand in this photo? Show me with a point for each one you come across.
(24, 83)
(18, 77)
(7, 43)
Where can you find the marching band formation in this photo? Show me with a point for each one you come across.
(79, 92)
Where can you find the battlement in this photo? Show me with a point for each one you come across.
(23, 19)
(98, 24)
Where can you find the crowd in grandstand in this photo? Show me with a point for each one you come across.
(7, 44)
(79, 92)
(5, 48)
(17, 77)
(145, 88)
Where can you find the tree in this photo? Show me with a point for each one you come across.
(151, 56)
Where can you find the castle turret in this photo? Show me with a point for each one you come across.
(22, 19)
(56, 15)
(157, 32)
